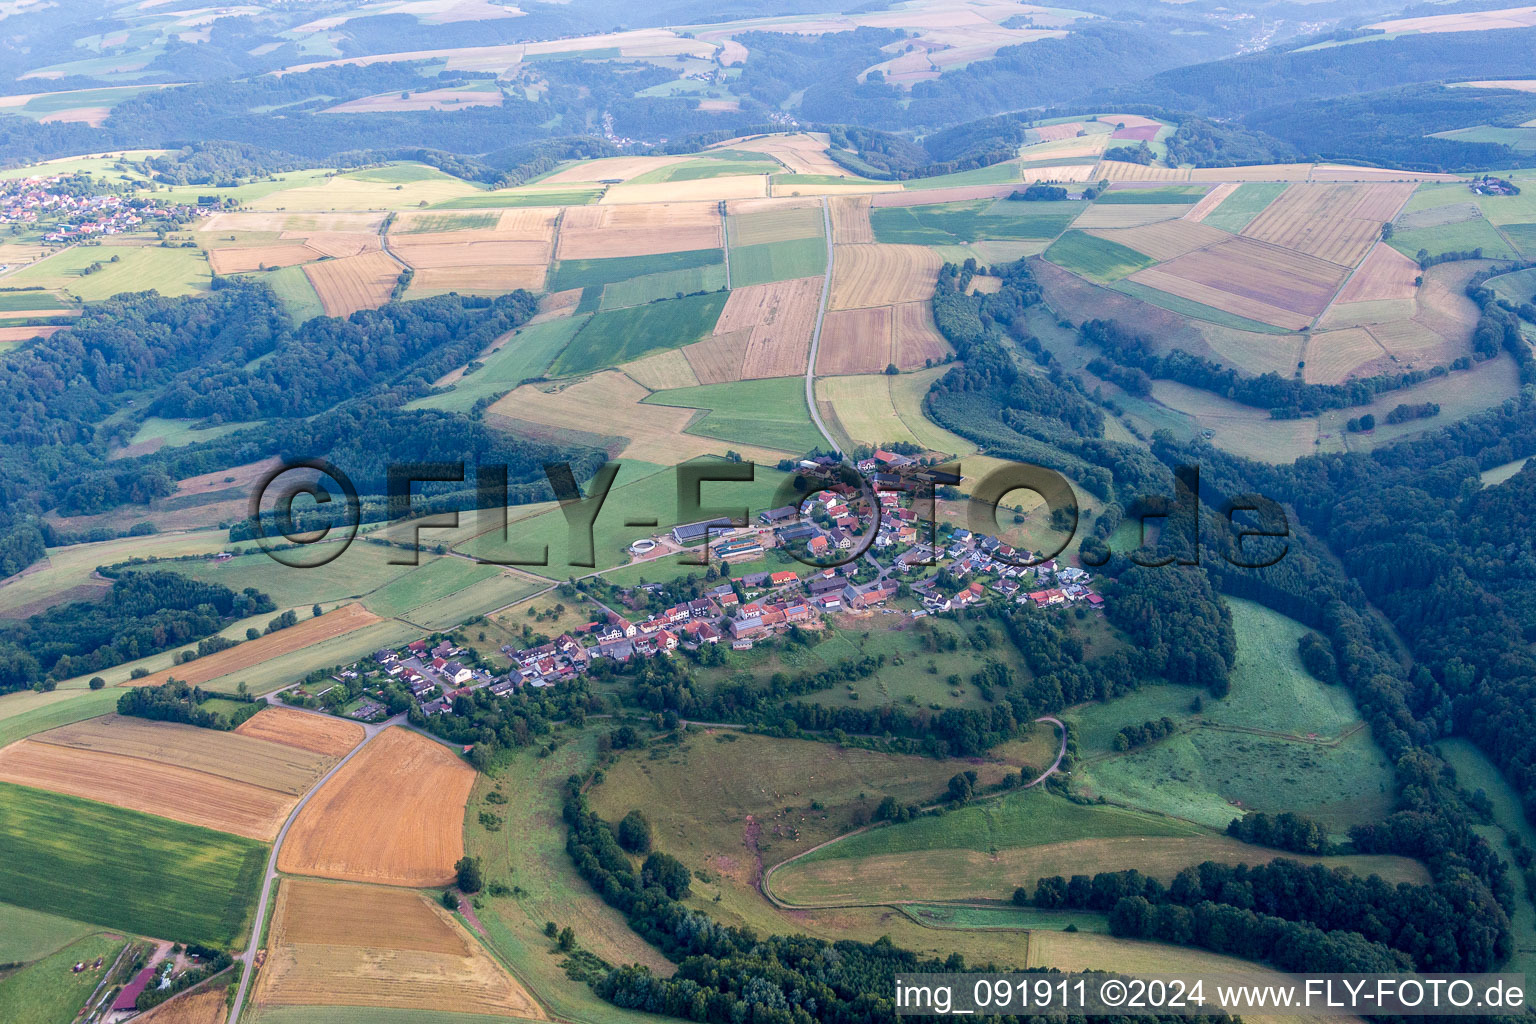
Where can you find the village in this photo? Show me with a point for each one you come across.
(75, 209)
(913, 566)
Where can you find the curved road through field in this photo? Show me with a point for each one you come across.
(821, 314)
(762, 884)
(249, 958)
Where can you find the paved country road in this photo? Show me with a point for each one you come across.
(821, 314)
(249, 957)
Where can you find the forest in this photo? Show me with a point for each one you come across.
(142, 613)
(195, 358)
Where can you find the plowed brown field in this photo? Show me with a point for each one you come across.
(640, 229)
(1337, 223)
(394, 814)
(243, 259)
(321, 734)
(850, 219)
(855, 341)
(915, 341)
(779, 317)
(161, 789)
(357, 945)
(1164, 241)
(882, 275)
(229, 755)
(1252, 279)
(1385, 274)
(354, 282)
(205, 1007)
(253, 652)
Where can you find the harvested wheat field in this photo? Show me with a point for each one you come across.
(1086, 149)
(394, 814)
(611, 402)
(1256, 172)
(822, 188)
(1164, 241)
(779, 318)
(617, 167)
(333, 623)
(1128, 215)
(305, 730)
(882, 275)
(850, 220)
(953, 194)
(597, 232)
(1411, 341)
(1385, 274)
(729, 186)
(353, 283)
(1332, 357)
(361, 945)
(469, 248)
(915, 341)
(718, 358)
(204, 1007)
(427, 99)
(338, 244)
(168, 791)
(301, 224)
(1349, 172)
(8, 334)
(1060, 173)
(1116, 170)
(795, 218)
(802, 153)
(1208, 202)
(1337, 223)
(476, 280)
(662, 371)
(855, 341)
(1472, 21)
(1252, 279)
(1053, 132)
(246, 258)
(558, 304)
(228, 755)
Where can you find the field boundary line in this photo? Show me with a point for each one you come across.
(725, 243)
(1356, 268)
(821, 315)
(248, 958)
(763, 886)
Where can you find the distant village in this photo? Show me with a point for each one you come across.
(749, 609)
(75, 211)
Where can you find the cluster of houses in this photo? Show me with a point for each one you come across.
(29, 200)
(434, 676)
(746, 609)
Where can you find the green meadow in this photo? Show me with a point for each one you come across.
(1095, 258)
(128, 871)
(49, 991)
(1247, 202)
(777, 261)
(619, 335)
(769, 412)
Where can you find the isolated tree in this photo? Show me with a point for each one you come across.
(635, 833)
(315, 611)
(450, 900)
(567, 940)
(97, 682)
(468, 869)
